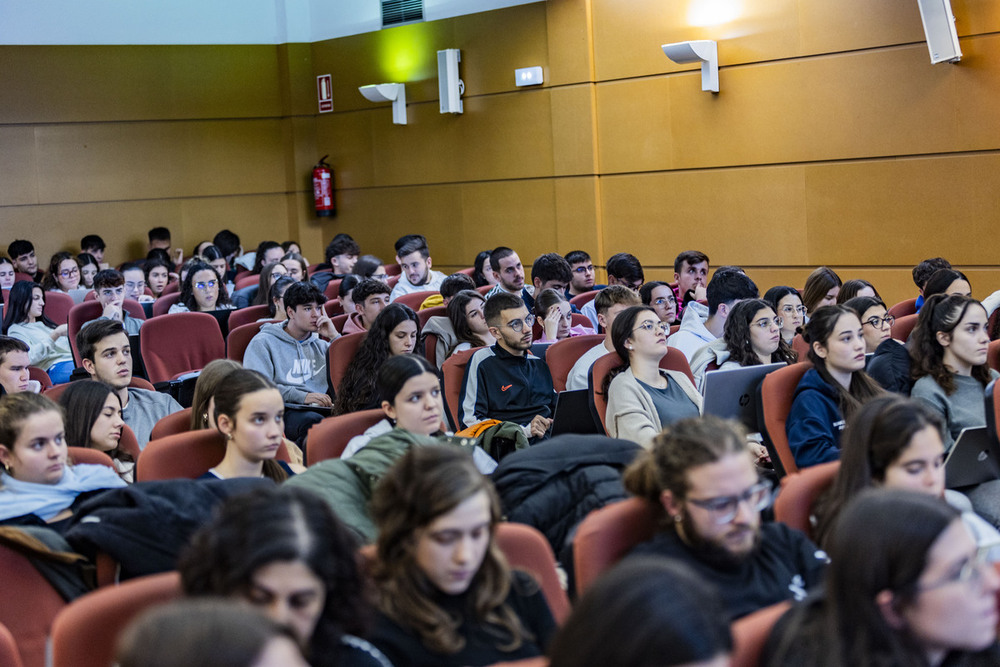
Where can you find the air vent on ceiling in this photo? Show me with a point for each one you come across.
(395, 12)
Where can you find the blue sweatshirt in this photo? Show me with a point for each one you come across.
(814, 422)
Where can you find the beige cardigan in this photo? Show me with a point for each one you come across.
(631, 413)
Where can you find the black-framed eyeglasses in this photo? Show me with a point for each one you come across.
(518, 325)
(880, 322)
(725, 508)
(651, 326)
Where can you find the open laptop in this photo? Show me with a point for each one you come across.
(732, 394)
(973, 459)
(573, 414)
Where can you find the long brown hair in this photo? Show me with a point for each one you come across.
(427, 482)
(228, 398)
(819, 329)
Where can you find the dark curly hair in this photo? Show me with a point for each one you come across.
(187, 287)
(277, 524)
(737, 335)
(357, 390)
(942, 313)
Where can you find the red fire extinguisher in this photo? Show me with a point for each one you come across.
(323, 189)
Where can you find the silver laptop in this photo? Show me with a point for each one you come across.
(732, 394)
(973, 459)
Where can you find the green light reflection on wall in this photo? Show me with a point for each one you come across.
(406, 53)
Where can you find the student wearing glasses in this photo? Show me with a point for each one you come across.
(660, 297)
(753, 336)
(202, 291)
(63, 275)
(876, 322)
(787, 303)
(505, 381)
(700, 475)
(642, 397)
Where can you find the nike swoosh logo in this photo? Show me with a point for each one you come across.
(506, 388)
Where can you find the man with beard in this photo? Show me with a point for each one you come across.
(701, 473)
(505, 381)
(414, 258)
(509, 273)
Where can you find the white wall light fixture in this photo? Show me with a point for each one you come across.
(705, 51)
(388, 92)
(450, 86)
(939, 27)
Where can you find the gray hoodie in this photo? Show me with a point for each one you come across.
(297, 367)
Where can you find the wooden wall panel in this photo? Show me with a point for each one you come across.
(18, 166)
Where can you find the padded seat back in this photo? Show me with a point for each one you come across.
(561, 356)
(180, 343)
(774, 403)
(608, 534)
(328, 438)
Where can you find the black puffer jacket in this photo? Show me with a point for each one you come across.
(553, 485)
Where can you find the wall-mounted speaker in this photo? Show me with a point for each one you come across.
(939, 27)
(450, 87)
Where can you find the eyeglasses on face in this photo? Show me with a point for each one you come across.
(206, 285)
(66, 273)
(791, 310)
(584, 269)
(652, 326)
(725, 508)
(971, 571)
(135, 286)
(664, 300)
(766, 322)
(880, 322)
(518, 325)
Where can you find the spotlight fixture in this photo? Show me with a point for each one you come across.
(388, 92)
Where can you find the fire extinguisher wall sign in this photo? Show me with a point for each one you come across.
(323, 189)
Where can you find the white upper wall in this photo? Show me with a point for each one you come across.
(69, 22)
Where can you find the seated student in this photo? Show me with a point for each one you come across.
(14, 361)
(340, 255)
(906, 586)
(48, 346)
(550, 271)
(659, 613)
(924, 270)
(229, 246)
(581, 273)
(285, 552)
(276, 302)
(296, 265)
(23, 254)
(482, 273)
(691, 275)
(214, 257)
(412, 402)
(63, 275)
(259, 294)
(464, 327)
(702, 475)
(414, 258)
(93, 245)
(505, 381)
(370, 297)
(202, 291)
(450, 286)
(159, 237)
(6, 273)
(109, 286)
(370, 266)
(345, 292)
(446, 595)
(94, 420)
(876, 322)
(135, 282)
(857, 287)
(623, 269)
(822, 287)
(88, 269)
(205, 633)
(268, 252)
(609, 303)
(700, 324)
(292, 246)
(107, 356)
(948, 352)
(832, 391)
(895, 443)
(292, 355)
(786, 302)
(552, 308)
(37, 484)
(249, 412)
(753, 336)
(157, 275)
(660, 297)
(509, 274)
(642, 397)
(393, 332)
